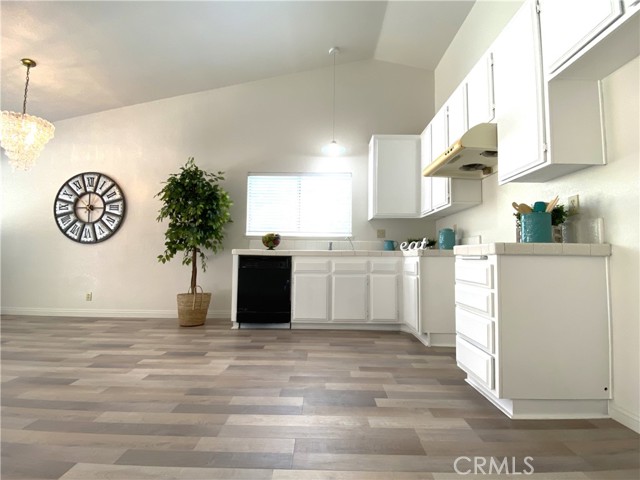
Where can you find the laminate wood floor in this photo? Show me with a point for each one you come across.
(129, 399)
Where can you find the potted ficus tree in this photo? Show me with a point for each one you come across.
(198, 209)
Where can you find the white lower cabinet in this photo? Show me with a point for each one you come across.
(384, 286)
(428, 299)
(533, 332)
(310, 293)
(349, 295)
(411, 293)
(353, 290)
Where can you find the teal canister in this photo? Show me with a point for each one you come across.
(390, 244)
(536, 227)
(446, 239)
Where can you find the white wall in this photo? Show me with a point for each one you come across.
(277, 124)
(609, 192)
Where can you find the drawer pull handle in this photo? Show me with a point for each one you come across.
(473, 257)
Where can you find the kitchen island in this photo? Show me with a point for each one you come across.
(533, 327)
(411, 291)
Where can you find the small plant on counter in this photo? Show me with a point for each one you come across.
(430, 241)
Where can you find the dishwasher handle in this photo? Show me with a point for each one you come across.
(473, 257)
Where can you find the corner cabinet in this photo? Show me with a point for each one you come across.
(428, 298)
(394, 188)
(536, 349)
(545, 129)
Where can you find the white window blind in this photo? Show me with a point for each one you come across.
(299, 204)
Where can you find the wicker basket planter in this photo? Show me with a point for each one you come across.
(193, 308)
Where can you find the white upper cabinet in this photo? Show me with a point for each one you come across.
(480, 102)
(519, 95)
(545, 129)
(569, 25)
(425, 159)
(443, 196)
(439, 143)
(457, 115)
(394, 170)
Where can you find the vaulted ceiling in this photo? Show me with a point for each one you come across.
(99, 55)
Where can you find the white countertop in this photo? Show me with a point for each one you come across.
(576, 249)
(345, 253)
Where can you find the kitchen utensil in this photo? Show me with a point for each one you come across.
(539, 207)
(524, 208)
(515, 206)
(552, 204)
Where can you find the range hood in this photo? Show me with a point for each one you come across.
(474, 155)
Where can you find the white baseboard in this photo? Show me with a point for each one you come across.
(625, 417)
(107, 313)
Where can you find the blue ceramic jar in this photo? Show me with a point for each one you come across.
(446, 239)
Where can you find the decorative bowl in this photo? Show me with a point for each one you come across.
(271, 240)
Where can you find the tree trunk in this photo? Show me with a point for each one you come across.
(194, 269)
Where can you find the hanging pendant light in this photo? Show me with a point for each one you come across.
(24, 136)
(333, 149)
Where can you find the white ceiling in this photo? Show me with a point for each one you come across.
(94, 55)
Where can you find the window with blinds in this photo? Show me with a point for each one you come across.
(299, 204)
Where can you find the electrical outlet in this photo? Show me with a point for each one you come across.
(381, 233)
(89, 296)
(574, 205)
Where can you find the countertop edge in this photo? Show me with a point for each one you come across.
(566, 249)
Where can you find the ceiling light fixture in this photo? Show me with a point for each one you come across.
(24, 136)
(333, 149)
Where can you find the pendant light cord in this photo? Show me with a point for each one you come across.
(333, 133)
(26, 88)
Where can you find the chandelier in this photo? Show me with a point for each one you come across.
(333, 149)
(24, 136)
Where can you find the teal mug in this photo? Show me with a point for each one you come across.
(390, 245)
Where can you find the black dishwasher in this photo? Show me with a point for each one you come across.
(264, 289)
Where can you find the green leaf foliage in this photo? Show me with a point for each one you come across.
(197, 209)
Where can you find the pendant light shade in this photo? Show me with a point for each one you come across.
(333, 149)
(24, 136)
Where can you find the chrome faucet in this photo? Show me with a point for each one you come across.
(353, 249)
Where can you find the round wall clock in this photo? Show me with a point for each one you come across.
(89, 208)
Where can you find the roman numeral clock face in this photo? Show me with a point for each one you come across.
(89, 208)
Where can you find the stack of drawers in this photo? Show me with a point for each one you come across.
(476, 332)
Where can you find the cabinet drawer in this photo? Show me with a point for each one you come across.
(475, 362)
(476, 328)
(475, 272)
(478, 299)
(385, 266)
(350, 266)
(308, 266)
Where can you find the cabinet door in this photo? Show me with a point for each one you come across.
(411, 301)
(383, 297)
(518, 95)
(425, 182)
(457, 114)
(439, 143)
(480, 92)
(349, 295)
(394, 162)
(310, 297)
(568, 25)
